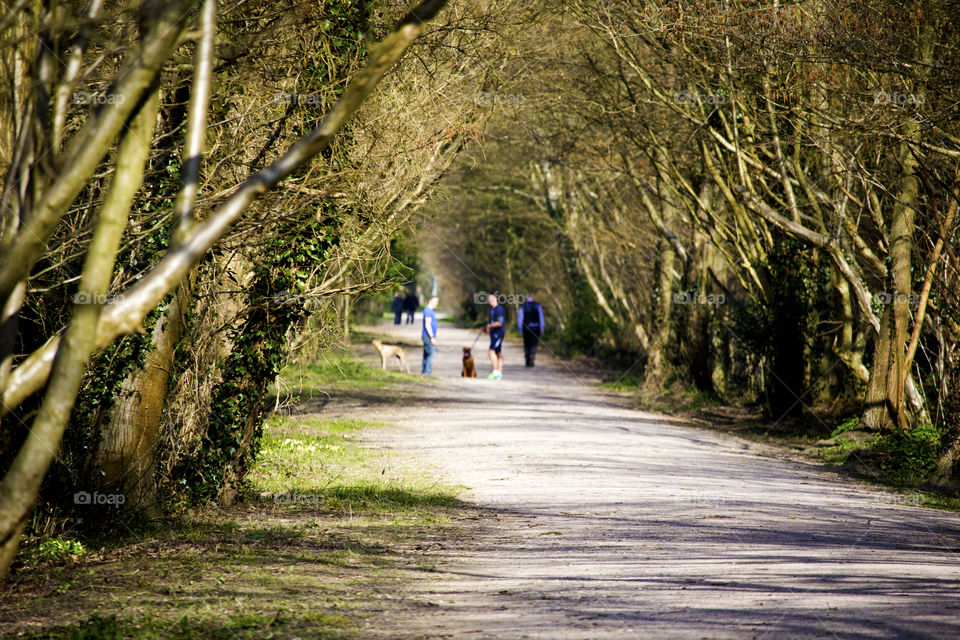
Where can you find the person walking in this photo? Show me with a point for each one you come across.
(530, 324)
(410, 304)
(429, 336)
(497, 328)
(397, 307)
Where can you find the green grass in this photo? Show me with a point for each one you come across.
(625, 383)
(940, 501)
(850, 424)
(341, 371)
(320, 460)
(212, 626)
(330, 525)
(838, 453)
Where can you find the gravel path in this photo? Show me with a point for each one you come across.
(611, 523)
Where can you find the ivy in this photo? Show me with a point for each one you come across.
(274, 302)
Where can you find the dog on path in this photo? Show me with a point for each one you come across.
(390, 351)
(469, 371)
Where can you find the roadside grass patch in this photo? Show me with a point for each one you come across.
(940, 501)
(242, 626)
(329, 527)
(341, 371)
(841, 449)
(318, 462)
(625, 383)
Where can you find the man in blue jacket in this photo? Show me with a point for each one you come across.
(530, 325)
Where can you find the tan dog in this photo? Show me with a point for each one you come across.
(469, 371)
(389, 351)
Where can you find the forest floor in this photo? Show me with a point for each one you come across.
(539, 506)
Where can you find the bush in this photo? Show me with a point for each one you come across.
(912, 453)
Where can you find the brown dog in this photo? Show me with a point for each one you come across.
(390, 350)
(469, 371)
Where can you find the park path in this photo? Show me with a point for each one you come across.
(604, 522)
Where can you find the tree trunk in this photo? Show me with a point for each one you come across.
(126, 459)
(888, 378)
(663, 308)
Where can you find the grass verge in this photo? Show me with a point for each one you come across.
(328, 534)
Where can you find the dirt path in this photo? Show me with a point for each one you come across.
(611, 523)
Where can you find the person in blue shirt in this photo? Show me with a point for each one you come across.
(429, 336)
(530, 325)
(497, 328)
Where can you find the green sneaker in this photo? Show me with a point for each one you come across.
(492, 376)
(497, 375)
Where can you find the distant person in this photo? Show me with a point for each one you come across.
(397, 307)
(530, 324)
(497, 328)
(410, 304)
(429, 335)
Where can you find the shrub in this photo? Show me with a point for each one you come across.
(912, 454)
(58, 548)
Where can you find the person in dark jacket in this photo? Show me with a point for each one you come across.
(530, 324)
(410, 305)
(397, 307)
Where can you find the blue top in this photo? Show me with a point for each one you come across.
(520, 316)
(431, 316)
(498, 314)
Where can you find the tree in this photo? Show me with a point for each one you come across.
(37, 198)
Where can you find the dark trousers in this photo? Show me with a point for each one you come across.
(397, 317)
(531, 340)
(410, 316)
